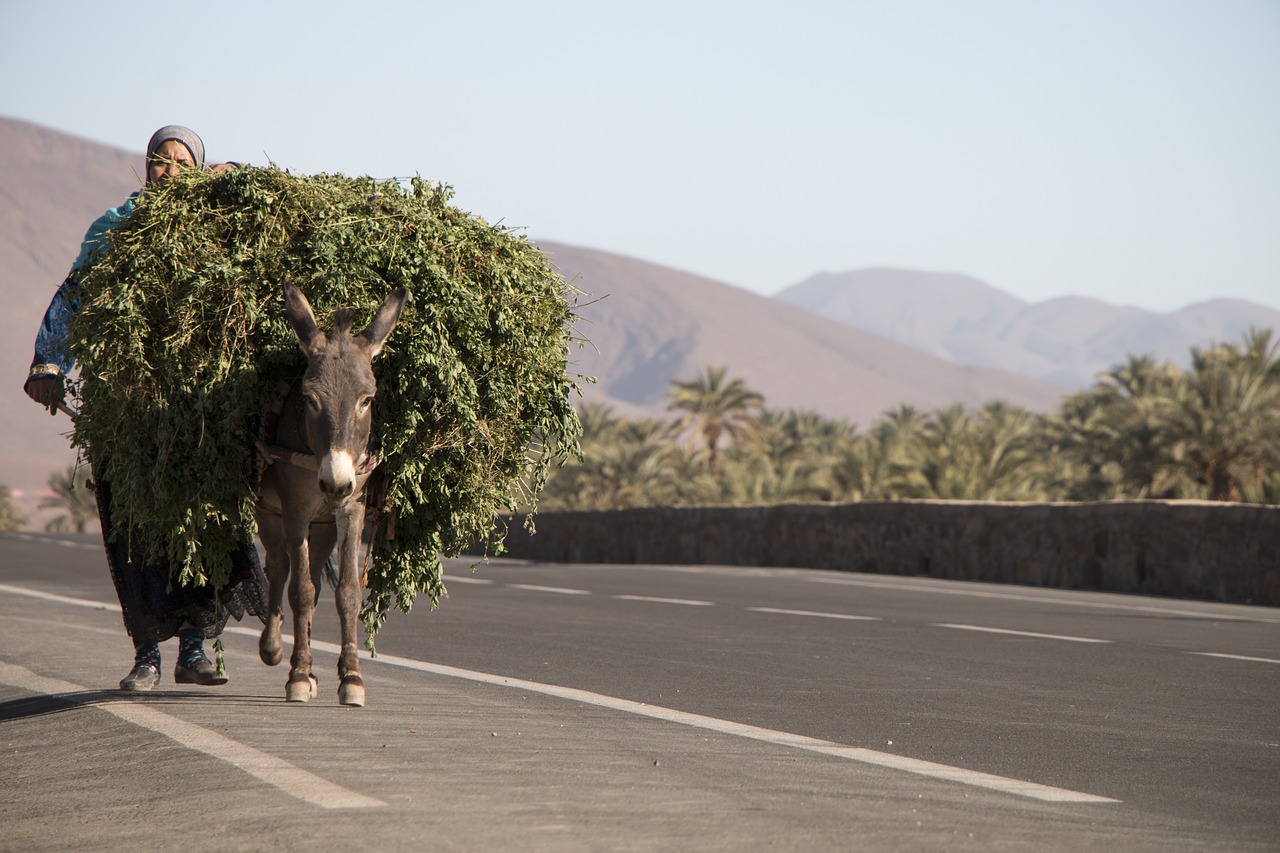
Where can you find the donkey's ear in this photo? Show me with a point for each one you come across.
(301, 317)
(384, 321)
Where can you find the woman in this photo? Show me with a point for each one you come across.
(153, 611)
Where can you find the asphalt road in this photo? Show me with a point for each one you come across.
(559, 707)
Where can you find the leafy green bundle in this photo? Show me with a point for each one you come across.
(181, 340)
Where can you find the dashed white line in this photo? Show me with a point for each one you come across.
(61, 599)
(656, 600)
(555, 589)
(49, 540)
(813, 613)
(274, 771)
(263, 765)
(929, 769)
(910, 765)
(465, 579)
(986, 630)
(1234, 657)
(1041, 599)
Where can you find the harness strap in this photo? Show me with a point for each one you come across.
(270, 453)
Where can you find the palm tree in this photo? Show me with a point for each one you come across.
(598, 421)
(863, 470)
(714, 407)
(629, 464)
(800, 447)
(634, 470)
(1014, 465)
(10, 518)
(990, 455)
(941, 455)
(1082, 444)
(754, 478)
(883, 463)
(1105, 442)
(72, 495)
(1222, 427)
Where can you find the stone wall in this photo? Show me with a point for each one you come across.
(1215, 551)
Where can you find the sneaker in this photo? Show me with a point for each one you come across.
(198, 669)
(143, 676)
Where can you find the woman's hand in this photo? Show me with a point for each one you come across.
(47, 391)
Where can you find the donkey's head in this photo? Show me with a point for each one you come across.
(338, 385)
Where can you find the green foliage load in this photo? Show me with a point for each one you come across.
(181, 340)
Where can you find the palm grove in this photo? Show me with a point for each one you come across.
(1144, 430)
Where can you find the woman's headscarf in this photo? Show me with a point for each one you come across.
(178, 133)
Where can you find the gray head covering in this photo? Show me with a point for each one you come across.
(185, 135)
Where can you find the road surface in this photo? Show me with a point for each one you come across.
(578, 707)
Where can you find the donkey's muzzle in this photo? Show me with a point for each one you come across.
(338, 475)
(338, 492)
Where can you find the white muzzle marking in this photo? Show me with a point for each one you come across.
(338, 471)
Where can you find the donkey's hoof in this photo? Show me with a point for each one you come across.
(351, 692)
(271, 657)
(301, 691)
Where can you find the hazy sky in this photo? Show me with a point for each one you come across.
(1123, 149)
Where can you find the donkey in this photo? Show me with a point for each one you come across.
(305, 509)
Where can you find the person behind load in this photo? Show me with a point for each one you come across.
(154, 611)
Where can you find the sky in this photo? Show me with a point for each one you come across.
(1125, 150)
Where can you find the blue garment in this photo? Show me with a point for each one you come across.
(51, 340)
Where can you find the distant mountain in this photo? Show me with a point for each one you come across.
(1066, 341)
(52, 186)
(650, 324)
(647, 324)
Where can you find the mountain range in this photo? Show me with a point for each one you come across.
(1067, 341)
(852, 345)
(648, 324)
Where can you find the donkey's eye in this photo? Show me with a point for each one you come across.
(313, 402)
(365, 403)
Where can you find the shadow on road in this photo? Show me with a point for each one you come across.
(43, 706)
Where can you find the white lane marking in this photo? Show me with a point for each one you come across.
(274, 771)
(866, 756)
(49, 540)
(1019, 787)
(813, 613)
(556, 589)
(61, 599)
(930, 769)
(1234, 657)
(43, 624)
(910, 765)
(465, 579)
(1042, 599)
(686, 601)
(986, 630)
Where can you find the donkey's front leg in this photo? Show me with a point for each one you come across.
(302, 600)
(270, 649)
(350, 522)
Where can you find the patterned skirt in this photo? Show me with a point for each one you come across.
(155, 606)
